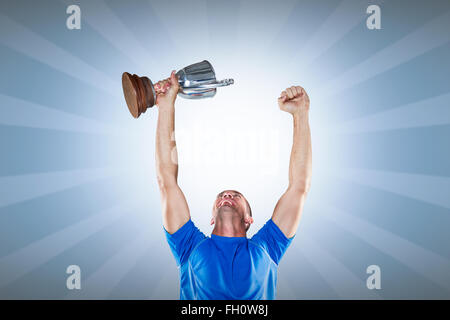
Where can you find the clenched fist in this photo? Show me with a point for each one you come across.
(294, 100)
(167, 90)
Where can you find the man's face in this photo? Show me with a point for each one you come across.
(231, 202)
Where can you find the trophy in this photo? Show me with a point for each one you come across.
(196, 81)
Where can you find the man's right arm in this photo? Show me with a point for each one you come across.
(173, 202)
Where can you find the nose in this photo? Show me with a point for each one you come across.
(227, 195)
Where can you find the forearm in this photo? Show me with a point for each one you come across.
(300, 166)
(166, 152)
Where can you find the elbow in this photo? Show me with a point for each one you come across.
(301, 188)
(166, 176)
(166, 182)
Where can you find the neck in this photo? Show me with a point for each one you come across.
(229, 226)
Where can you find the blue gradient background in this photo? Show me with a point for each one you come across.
(77, 178)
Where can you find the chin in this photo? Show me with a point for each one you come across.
(226, 208)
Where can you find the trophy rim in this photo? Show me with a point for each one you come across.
(139, 93)
(130, 93)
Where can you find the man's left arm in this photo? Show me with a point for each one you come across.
(288, 209)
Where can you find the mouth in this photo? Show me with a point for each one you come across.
(226, 202)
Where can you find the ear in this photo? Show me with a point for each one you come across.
(212, 221)
(248, 219)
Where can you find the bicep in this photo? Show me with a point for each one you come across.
(174, 208)
(287, 212)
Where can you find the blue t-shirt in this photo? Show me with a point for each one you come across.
(228, 268)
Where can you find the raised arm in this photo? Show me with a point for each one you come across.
(288, 209)
(174, 206)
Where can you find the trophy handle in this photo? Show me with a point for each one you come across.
(210, 85)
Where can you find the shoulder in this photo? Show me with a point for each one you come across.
(184, 241)
(272, 240)
(271, 231)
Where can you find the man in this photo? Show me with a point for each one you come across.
(227, 265)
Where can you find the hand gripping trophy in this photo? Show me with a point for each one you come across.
(196, 81)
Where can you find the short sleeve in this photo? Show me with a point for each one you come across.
(273, 240)
(183, 241)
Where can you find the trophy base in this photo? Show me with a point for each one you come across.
(139, 93)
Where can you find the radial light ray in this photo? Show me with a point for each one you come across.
(18, 112)
(186, 23)
(167, 286)
(414, 44)
(101, 18)
(31, 44)
(284, 289)
(24, 187)
(307, 282)
(428, 264)
(18, 263)
(432, 189)
(311, 14)
(346, 16)
(102, 282)
(424, 113)
(253, 38)
(223, 28)
(148, 29)
(343, 281)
